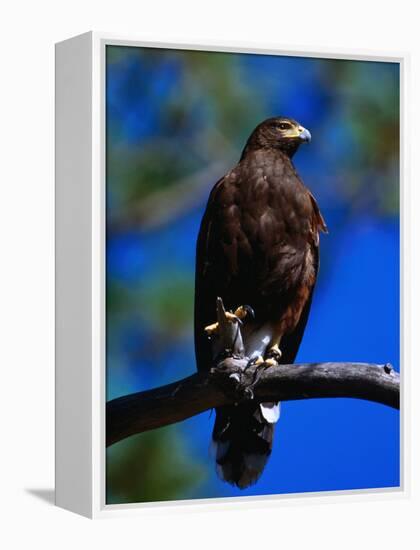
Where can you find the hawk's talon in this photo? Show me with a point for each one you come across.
(237, 317)
(260, 365)
(255, 361)
(211, 329)
(273, 356)
(244, 311)
(214, 327)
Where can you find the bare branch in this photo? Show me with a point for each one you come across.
(233, 380)
(143, 411)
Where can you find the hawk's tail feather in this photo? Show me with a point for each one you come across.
(242, 442)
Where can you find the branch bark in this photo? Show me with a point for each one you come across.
(228, 383)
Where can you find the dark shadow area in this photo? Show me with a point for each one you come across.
(47, 495)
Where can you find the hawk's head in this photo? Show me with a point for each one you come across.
(278, 133)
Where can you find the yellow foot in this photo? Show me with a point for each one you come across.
(259, 360)
(212, 329)
(243, 311)
(273, 356)
(240, 313)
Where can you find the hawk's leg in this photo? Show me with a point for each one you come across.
(225, 333)
(272, 359)
(238, 315)
(255, 361)
(273, 355)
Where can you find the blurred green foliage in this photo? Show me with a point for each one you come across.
(151, 467)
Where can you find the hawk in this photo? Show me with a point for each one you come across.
(257, 249)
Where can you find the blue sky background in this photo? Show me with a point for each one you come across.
(176, 121)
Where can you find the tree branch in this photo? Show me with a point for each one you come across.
(234, 380)
(228, 383)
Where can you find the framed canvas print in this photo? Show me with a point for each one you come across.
(228, 229)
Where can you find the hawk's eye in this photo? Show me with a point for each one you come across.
(285, 126)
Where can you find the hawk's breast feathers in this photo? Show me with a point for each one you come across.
(258, 241)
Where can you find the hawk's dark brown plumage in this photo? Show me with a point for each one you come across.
(258, 245)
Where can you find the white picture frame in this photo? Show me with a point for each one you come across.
(80, 275)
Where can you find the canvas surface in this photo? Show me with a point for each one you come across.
(176, 122)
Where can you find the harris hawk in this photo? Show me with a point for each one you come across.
(257, 249)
